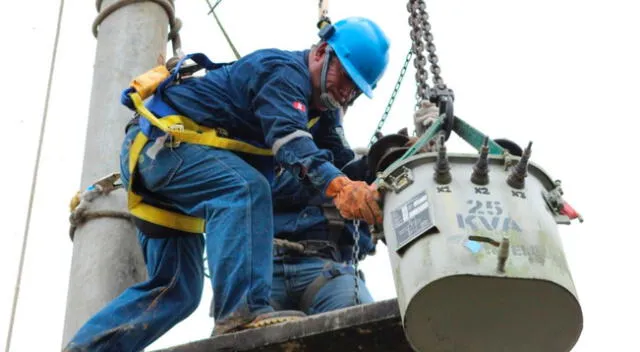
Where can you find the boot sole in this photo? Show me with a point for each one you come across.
(270, 321)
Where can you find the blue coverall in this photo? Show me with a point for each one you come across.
(263, 98)
(299, 216)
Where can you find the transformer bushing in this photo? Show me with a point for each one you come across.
(480, 174)
(442, 168)
(519, 172)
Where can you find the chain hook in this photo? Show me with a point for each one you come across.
(443, 98)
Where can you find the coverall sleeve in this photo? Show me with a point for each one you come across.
(280, 105)
(358, 170)
(330, 136)
(289, 194)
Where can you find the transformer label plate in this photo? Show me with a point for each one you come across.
(412, 219)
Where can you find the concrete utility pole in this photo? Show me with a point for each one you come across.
(106, 256)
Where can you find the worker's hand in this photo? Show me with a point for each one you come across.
(355, 199)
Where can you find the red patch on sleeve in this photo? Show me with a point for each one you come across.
(299, 106)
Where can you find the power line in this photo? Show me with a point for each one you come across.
(34, 179)
(212, 11)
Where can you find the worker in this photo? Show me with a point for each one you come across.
(255, 111)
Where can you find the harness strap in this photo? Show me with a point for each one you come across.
(158, 78)
(306, 248)
(306, 300)
(150, 219)
(153, 220)
(309, 294)
(183, 129)
(335, 221)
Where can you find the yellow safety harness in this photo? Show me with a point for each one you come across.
(155, 220)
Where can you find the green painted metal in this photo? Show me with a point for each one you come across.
(429, 134)
(474, 137)
(464, 130)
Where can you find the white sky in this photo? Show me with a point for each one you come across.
(560, 73)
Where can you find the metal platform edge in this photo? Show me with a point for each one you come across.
(368, 327)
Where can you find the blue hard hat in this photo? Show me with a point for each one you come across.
(361, 47)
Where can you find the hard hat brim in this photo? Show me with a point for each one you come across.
(355, 76)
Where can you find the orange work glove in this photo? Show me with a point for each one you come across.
(355, 199)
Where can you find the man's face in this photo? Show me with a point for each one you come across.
(340, 88)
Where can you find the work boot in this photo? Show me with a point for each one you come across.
(260, 321)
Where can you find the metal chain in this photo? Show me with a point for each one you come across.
(354, 258)
(431, 48)
(420, 36)
(416, 9)
(392, 99)
(420, 29)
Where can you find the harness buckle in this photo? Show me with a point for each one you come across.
(172, 142)
(222, 132)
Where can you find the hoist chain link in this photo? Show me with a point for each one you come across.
(431, 47)
(392, 99)
(421, 42)
(422, 38)
(354, 258)
(416, 8)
